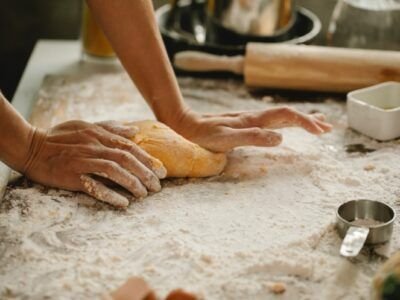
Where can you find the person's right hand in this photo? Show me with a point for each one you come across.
(69, 154)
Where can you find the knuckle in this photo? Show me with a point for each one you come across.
(277, 137)
(90, 149)
(122, 155)
(148, 177)
(110, 166)
(287, 109)
(256, 132)
(247, 120)
(89, 131)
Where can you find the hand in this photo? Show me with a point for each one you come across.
(69, 154)
(136, 288)
(221, 133)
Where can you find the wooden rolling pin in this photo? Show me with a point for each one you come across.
(300, 67)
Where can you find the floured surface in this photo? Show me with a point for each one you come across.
(227, 237)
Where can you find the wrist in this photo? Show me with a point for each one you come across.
(15, 149)
(181, 119)
(20, 148)
(169, 109)
(33, 150)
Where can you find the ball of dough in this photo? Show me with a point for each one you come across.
(180, 157)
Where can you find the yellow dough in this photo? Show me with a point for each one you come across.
(180, 157)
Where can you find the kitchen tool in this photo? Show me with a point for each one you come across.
(362, 222)
(300, 67)
(375, 111)
(235, 21)
(181, 37)
(196, 33)
(367, 24)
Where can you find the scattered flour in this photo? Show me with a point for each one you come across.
(268, 219)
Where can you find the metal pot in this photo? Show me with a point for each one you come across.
(237, 22)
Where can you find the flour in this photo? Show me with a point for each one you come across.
(269, 218)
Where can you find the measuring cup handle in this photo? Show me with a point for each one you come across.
(354, 241)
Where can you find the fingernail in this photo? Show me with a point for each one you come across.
(159, 169)
(121, 142)
(155, 185)
(141, 192)
(128, 131)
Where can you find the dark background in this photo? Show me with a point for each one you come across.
(23, 22)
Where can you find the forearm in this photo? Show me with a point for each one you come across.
(15, 136)
(132, 30)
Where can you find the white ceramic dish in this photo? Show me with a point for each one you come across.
(375, 111)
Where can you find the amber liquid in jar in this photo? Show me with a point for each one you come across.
(94, 41)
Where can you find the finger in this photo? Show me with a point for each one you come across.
(314, 123)
(129, 162)
(229, 114)
(295, 118)
(232, 138)
(325, 126)
(181, 295)
(114, 141)
(119, 128)
(90, 133)
(279, 118)
(101, 192)
(73, 138)
(319, 116)
(114, 172)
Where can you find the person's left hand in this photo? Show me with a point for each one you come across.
(223, 132)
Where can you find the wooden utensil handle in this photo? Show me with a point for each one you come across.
(204, 62)
(318, 68)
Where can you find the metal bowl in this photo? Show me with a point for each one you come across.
(181, 37)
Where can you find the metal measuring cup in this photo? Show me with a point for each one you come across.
(362, 222)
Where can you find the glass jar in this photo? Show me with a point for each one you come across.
(94, 42)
